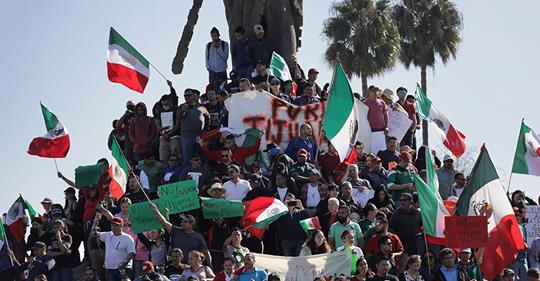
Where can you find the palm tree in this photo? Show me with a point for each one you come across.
(427, 28)
(187, 34)
(363, 36)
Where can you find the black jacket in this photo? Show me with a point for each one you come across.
(439, 276)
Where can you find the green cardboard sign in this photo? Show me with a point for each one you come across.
(143, 218)
(179, 197)
(221, 208)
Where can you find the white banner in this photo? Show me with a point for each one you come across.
(305, 268)
(533, 223)
(398, 124)
(279, 119)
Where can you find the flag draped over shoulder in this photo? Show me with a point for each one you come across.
(484, 196)
(432, 208)
(527, 156)
(453, 139)
(339, 120)
(125, 65)
(55, 144)
(17, 217)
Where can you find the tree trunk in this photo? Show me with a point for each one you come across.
(424, 88)
(364, 85)
(187, 34)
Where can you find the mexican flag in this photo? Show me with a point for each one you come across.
(261, 212)
(339, 119)
(527, 157)
(310, 223)
(17, 217)
(485, 196)
(119, 171)
(55, 144)
(125, 65)
(453, 139)
(432, 208)
(279, 67)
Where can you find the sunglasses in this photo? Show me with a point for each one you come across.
(224, 155)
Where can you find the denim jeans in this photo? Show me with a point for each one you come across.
(117, 275)
(62, 274)
(291, 248)
(189, 147)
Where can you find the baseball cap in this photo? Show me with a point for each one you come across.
(188, 217)
(258, 28)
(406, 148)
(274, 81)
(46, 200)
(405, 156)
(313, 69)
(69, 190)
(302, 152)
(447, 157)
(465, 250)
(57, 211)
(39, 244)
(117, 221)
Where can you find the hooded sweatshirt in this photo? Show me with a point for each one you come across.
(142, 131)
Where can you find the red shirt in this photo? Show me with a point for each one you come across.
(372, 246)
(409, 108)
(377, 110)
(328, 164)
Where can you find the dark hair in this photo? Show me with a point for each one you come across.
(239, 29)
(344, 207)
(533, 273)
(323, 249)
(228, 259)
(358, 143)
(332, 186)
(287, 82)
(447, 251)
(229, 137)
(412, 259)
(345, 232)
(369, 207)
(380, 258)
(383, 240)
(391, 138)
(458, 175)
(214, 30)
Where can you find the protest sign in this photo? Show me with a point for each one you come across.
(466, 232)
(142, 217)
(533, 223)
(88, 175)
(221, 208)
(306, 267)
(179, 197)
(398, 124)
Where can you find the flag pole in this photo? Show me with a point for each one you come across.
(517, 143)
(56, 165)
(157, 71)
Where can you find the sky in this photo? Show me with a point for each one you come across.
(55, 52)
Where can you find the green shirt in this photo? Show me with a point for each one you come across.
(337, 229)
(400, 175)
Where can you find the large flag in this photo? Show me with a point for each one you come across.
(432, 208)
(453, 139)
(339, 119)
(261, 212)
(485, 196)
(279, 67)
(527, 157)
(119, 171)
(125, 65)
(55, 144)
(17, 217)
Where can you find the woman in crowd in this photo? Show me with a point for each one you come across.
(362, 270)
(412, 272)
(316, 244)
(196, 267)
(427, 267)
(382, 200)
(157, 248)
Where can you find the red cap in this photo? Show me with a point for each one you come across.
(405, 156)
(147, 266)
(313, 69)
(117, 220)
(302, 152)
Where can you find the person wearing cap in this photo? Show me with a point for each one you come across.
(261, 73)
(289, 91)
(46, 203)
(446, 175)
(233, 86)
(119, 250)
(275, 87)
(313, 73)
(217, 54)
(377, 175)
(258, 188)
(281, 186)
(411, 112)
(236, 188)
(387, 96)
(124, 122)
(406, 223)
(300, 170)
(149, 273)
(308, 95)
(448, 271)
(70, 205)
(184, 237)
(507, 274)
(304, 141)
(466, 261)
(533, 274)
(401, 177)
(259, 48)
(377, 117)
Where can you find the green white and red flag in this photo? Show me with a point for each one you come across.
(125, 65)
(17, 217)
(119, 171)
(527, 157)
(261, 212)
(310, 224)
(54, 144)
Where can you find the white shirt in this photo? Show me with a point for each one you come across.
(458, 191)
(361, 197)
(313, 196)
(117, 249)
(355, 249)
(236, 191)
(282, 191)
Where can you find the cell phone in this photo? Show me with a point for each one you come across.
(291, 203)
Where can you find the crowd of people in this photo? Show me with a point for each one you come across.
(369, 206)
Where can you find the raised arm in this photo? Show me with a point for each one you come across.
(166, 224)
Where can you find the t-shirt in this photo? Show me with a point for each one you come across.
(377, 109)
(236, 191)
(63, 260)
(202, 272)
(187, 242)
(256, 275)
(337, 229)
(400, 175)
(117, 249)
(388, 156)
